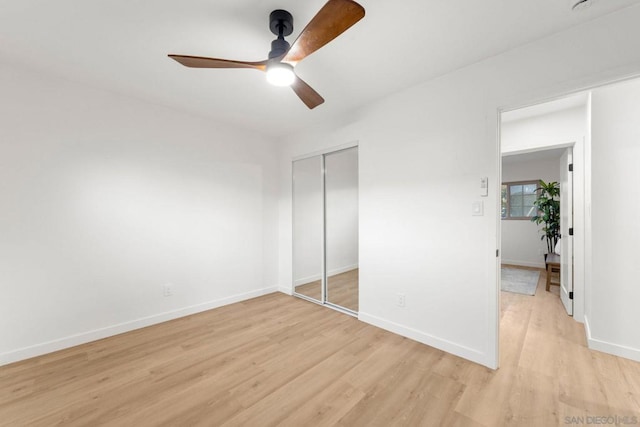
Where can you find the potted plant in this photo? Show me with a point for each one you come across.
(548, 213)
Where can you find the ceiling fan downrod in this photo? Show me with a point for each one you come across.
(280, 24)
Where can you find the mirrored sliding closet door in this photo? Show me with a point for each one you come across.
(308, 247)
(341, 227)
(325, 234)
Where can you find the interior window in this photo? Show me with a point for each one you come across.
(518, 199)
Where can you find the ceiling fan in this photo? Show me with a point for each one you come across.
(335, 17)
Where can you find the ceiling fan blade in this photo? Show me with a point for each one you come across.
(202, 62)
(310, 97)
(335, 17)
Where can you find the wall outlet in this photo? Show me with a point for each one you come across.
(401, 300)
(167, 289)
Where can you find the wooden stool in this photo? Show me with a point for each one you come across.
(553, 270)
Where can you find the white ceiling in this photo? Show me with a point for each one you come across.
(122, 45)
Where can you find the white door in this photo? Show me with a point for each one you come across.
(566, 224)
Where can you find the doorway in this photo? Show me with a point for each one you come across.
(325, 229)
(544, 247)
(548, 141)
(604, 167)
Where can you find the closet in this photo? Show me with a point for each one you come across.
(325, 229)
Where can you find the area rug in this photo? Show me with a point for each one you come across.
(519, 281)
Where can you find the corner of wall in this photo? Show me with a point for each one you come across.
(285, 290)
(608, 347)
(441, 344)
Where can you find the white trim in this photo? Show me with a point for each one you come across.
(331, 149)
(97, 334)
(494, 294)
(537, 148)
(610, 348)
(315, 277)
(582, 303)
(524, 263)
(430, 340)
(323, 241)
(587, 330)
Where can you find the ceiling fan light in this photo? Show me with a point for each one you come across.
(280, 74)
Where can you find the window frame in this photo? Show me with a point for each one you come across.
(535, 182)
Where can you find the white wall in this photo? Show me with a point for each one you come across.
(105, 199)
(422, 154)
(521, 244)
(613, 317)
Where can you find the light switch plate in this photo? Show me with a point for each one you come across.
(477, 208)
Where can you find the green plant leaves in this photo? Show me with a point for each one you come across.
(548, 206)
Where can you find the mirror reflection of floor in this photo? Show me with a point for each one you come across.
(342, 289)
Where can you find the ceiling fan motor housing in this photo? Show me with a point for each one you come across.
(278, 48)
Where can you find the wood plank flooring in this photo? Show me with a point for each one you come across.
(279, 360)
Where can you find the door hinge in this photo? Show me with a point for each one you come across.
(570, 167)
(571, 231)
(497, 253)
(571, 295)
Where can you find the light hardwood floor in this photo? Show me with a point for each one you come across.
(279, 360)
(342, 289)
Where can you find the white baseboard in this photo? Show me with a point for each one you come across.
(524, 263)
(333, 272)
(430, 340)
(85, 337)
(607, 347)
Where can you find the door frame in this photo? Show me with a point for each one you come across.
(566, 237)
(582, 203)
